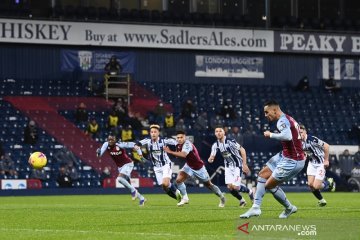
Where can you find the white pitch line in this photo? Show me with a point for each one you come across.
(115, 233)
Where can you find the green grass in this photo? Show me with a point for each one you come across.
(117, 217)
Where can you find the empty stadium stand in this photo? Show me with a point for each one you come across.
(323, 112)
(47, 104)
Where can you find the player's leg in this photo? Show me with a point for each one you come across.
(255, 210)
(135, 194)
(181, 177)
(311, 183)
(215, 189)
(233, 181)
(245, 189)
(125, 183)
(203, 176)
(310, 179)
(329, 185)
(163, 182)
(314, 190)
(311, 172)
(319, 184)
(169, 188)
(264, 175)
(124, 174)
(286, 170)
(273, 186)
(234, 190)
(166, 184)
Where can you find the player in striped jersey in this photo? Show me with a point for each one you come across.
(124, 163)
(317, 151)
(235, 163)
(281, 167)
(160, 160)
(194, 166)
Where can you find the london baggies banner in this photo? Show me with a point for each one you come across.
(229, 66)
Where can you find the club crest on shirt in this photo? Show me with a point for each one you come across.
(226, 154)
(280, 170)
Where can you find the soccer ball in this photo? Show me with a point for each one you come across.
(37, 160)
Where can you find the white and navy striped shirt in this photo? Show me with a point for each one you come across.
(156, 151)
(229, 150)
(314, 148)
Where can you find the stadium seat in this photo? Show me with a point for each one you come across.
(124, 14)
(70, 12)
(145, 15)
(113, 15)
(103, 14)
(156, 16)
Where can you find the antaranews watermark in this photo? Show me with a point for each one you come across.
(299, 229)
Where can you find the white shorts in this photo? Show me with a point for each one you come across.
(316, 170)
(162, 172)
(126, 169)
(233, 176)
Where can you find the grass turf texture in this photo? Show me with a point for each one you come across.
(117, 217)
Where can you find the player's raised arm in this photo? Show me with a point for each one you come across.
(143, 142)
(242, 152)
(176, 154)
(180, 141)
(130, 145)
(245, 167)
(213, 153)
(284, 131)
(125, 144)
(170, 141)
(326, 155)
(101, 151)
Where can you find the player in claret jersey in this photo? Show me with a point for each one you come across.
(124, 163)
(281, 167)
(194, 166)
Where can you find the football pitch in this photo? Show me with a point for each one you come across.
(117, 217)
